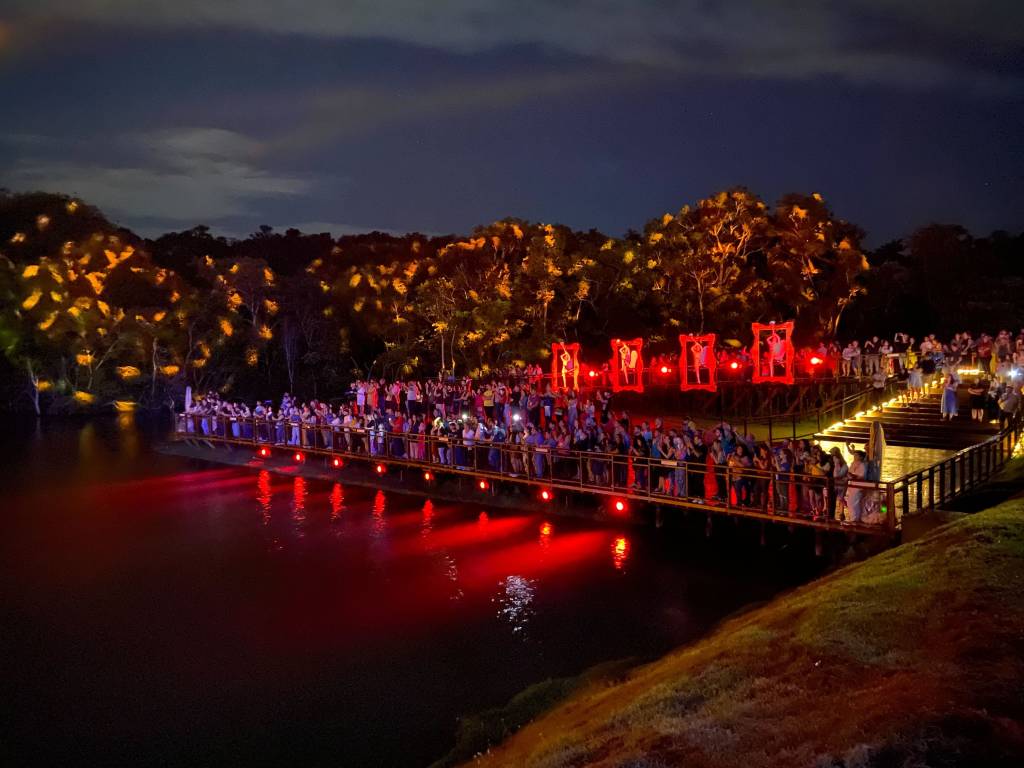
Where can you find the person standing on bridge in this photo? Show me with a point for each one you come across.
(948, 404)
(854, 495)
(1008, 405)
(979, 393)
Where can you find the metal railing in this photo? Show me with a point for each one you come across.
(771, 495)
(931, 487)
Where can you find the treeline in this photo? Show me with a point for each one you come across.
(91, 313)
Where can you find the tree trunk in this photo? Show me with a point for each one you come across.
(35, 386)
(152, 387)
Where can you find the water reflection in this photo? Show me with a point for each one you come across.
(264, 495)
(427, 526)
(337, 502)
(620, 552)
(546, 529)
(379, 523)
(515, 602)
(299, 504)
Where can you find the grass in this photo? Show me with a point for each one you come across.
(476, 733)
(912, 658)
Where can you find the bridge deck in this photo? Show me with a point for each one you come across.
(602, 476)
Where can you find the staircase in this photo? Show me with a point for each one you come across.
(917, 425)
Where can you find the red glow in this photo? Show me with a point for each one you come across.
(428, 475)
(299, 457)
(592, 374)
(483, 519)
(546, 529)
(336, 462)
(264, 452)
(664, 369)
(734, 365)
(545, 495)
(620, 506)
(815, 361)
(620, 551)
(482, 485)
(379, 469)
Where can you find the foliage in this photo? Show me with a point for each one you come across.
(90, 312)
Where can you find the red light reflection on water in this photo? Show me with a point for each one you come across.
(379, 506)
(428, 519)
(483, 519)
(299, 500)
(556, 553)
(337, 502)
(264, 495)
(620, 552)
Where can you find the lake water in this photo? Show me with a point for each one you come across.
(161, 610)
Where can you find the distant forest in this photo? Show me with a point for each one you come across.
(91, 313)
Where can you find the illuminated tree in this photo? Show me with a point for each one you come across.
(817, 259)
(701, 261)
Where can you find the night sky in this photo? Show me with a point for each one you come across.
(353, 115)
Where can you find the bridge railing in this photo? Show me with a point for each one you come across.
(747, 491)
(931, 487)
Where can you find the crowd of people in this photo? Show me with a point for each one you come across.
(516, 423)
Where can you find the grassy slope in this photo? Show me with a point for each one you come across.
(914, 657)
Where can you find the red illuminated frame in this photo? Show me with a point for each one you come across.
(627, 365)
(565, 366)
(698, 363)
(773, 352)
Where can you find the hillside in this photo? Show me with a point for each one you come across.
(914, 657)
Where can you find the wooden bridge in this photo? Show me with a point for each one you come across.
(616, 480)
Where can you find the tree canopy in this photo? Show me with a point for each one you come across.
(91, 312)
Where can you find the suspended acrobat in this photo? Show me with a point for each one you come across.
(698, 367)
(772, 352)
(627, 365)
(565, 365)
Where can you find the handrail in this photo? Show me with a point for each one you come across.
(765, 494)
(930, 487)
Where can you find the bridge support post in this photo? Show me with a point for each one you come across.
(708, 527)
(658, 517)
(818, 544)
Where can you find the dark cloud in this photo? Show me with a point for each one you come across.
(752, 38)
(438, 116)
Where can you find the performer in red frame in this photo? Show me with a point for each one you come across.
(772, 352)
(698, 364)
(627, 365)
(565, 365)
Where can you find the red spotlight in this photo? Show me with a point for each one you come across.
(664, 369)
(620, 506)
(482, 485)
(264, 452)
(336, 461)
(815, 361)
(299, 457)
(734, 365)
(379, 469)
(545, 495)
(428, 475)
(592, 374)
